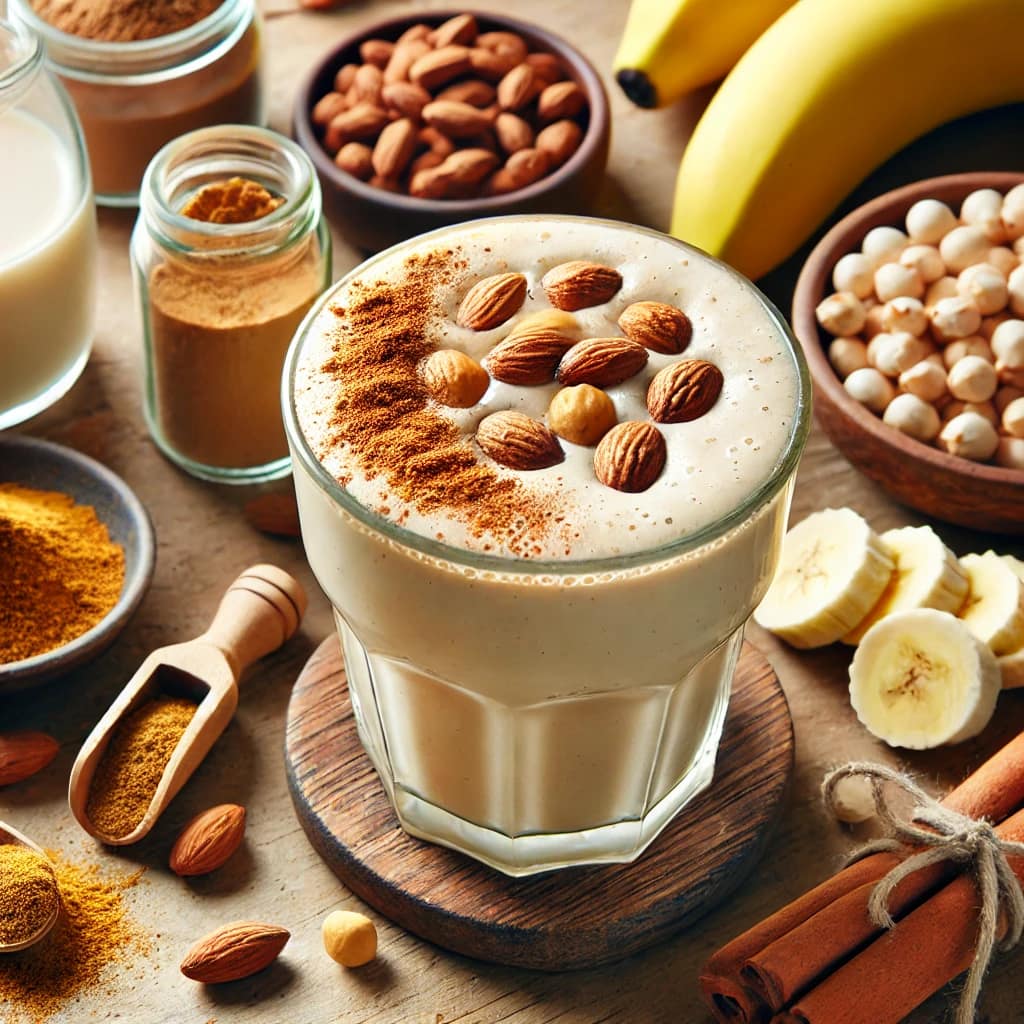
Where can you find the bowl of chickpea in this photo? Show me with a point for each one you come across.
(911, 315)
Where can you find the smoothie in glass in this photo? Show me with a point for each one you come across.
(540, 661)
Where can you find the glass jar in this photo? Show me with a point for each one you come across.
(48, 242)
(134, 97)
(220, 302)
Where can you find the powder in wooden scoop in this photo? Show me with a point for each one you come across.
(133, 764)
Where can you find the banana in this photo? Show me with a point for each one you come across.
(1016, 565)
(669, 47)
(820, 99)
(1012, 664)
(927, 575)
(994, 609)
(921, 679)
(832, 570)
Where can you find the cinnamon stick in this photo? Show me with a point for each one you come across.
(729, 997)
(788, 967)
(909, 962)
(993, 791)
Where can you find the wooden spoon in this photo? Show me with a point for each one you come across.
(259, 612)
(10, 836)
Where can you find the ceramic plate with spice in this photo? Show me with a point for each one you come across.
(85, 548)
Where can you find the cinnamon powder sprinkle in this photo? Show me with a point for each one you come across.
(384, 416)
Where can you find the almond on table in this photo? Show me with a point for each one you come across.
(23, 754)
(208, 841)
(233, 952)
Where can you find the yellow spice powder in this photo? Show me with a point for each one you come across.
(28, 893)
(93, 933)
(60, 573)
(132, 765)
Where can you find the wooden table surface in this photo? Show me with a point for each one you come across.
(202, 543)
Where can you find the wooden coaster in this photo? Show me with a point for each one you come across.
(560, 920)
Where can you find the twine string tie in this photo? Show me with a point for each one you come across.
(941, 834)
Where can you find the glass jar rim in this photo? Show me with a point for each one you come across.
(780, 473)
(26, 62)
(138, 57)
(270, 234)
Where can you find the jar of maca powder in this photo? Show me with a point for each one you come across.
(229, 251)
(143, 72)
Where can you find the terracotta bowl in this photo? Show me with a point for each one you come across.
(955, 490)
(373, 219)
(51, 467)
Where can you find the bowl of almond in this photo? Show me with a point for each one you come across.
(438, 117)
(911, 314)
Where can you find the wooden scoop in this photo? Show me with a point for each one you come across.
(11, 836)
(259, 612)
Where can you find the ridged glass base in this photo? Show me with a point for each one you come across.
(581, 778)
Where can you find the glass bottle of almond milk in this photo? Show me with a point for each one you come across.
(47, 234)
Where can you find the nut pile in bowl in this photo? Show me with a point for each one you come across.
(451, 113)
(928, 325)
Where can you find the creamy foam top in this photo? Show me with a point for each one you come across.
(714, 462)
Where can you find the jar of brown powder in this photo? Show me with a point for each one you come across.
(229, 251)
(142, 72)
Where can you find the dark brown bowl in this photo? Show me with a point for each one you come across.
(373, 219)
(940, 485)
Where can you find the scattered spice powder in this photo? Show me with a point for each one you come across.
(93, 933)
(60, 573)
(122, 21)
(383, 414)
(28, 893)
(234, 201)
(132, 765)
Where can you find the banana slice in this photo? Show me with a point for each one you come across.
(1012, 668)
(1012, 664)
(1016, 565)
(921, 679)
(832, 571)
(994, 609)
(928, 575)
